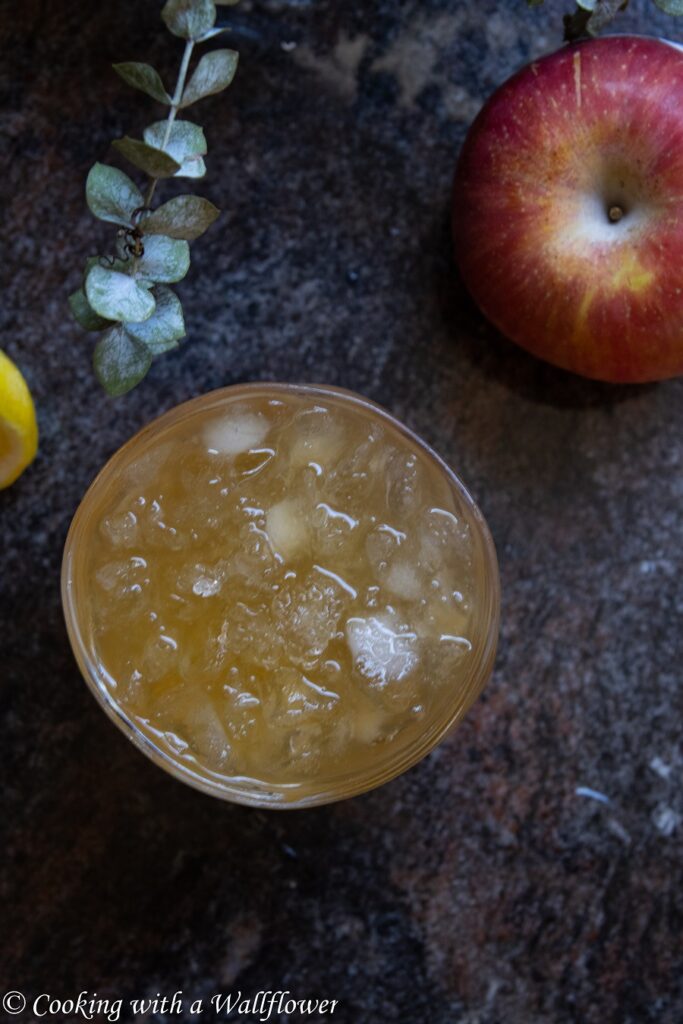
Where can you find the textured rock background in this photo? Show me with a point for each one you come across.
(479, 888)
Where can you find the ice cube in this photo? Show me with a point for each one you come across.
(445, 540)
(254, 559)
(202, 580)
(120, 529)
(236, 433)
(189, 714)
(304, 745)
(206, 658)
(295, 696)
(195, 469)
(307, 614)
(335, 531)
(381, 544)
(300, 713)
(368, 724)
(383, 651)
(145, 469)
(403, 484)
(252, 463)
(158, 529)
(159, 657)
(402, 581)
(314, 436)
(126, 580)
(241, 710)
(395, 571)
(443, 615)
(287, 528)
(206, 586)
(130, 686)
(443, 658)
(355, 475)
(109, 575)
(249, 633)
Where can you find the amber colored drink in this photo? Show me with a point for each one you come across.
(281, 594)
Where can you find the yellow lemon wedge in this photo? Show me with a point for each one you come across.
(18, 427)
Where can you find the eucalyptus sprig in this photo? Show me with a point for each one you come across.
(591, 16)
(125, 294)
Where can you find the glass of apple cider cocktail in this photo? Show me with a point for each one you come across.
(281, 595)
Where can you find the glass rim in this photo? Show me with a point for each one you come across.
(259, 793)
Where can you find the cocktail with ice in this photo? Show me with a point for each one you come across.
(283, 596)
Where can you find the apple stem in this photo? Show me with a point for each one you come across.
(615, 214)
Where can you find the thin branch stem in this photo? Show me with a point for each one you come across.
(175, 106)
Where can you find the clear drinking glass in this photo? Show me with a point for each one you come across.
(160, 452)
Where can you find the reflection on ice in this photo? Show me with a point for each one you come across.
(381, 653)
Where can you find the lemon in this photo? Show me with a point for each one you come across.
(18, 427)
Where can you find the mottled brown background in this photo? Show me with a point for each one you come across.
(479, 888)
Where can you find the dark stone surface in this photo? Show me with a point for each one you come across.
(479, 888)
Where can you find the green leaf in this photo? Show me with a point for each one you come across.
(674, 7)
(152, 161)
(143, 77)
(120, 361)
(117, 296)
(165, 327)
(214, 73)
(189, 19)
(165, 261)
(84, 314)
(183, 217)
(111, 195)
(186, 145)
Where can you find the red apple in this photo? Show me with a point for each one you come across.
(568, 209)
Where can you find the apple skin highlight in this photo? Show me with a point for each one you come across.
(568, 209)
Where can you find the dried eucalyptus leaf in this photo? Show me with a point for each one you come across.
(674, 7)
(185, 217)
(189, 19)
(120, 361)
(107, 262)
(212, 33)
(604, 11)
(214, 73)
(111, 195)
(152, 161)
(117, 296)
(84, 314)
(165, 327)
(186, 144)
(165, 261)
(92, 261)
(143, 77)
